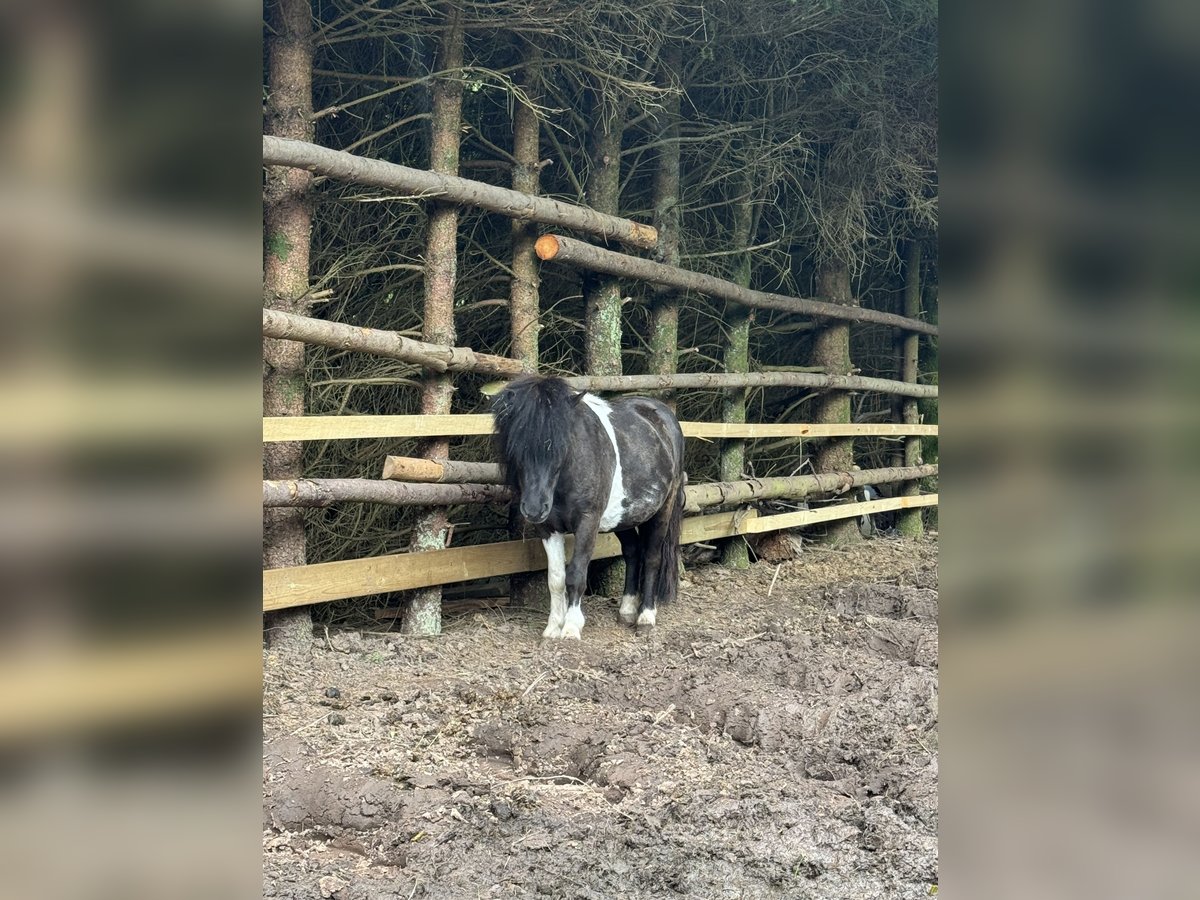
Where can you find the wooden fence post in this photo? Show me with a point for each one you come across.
(664, 307)
(910, 522)
(831, 351)
(423, 615)
(734, 551)
(287, 222)
(525, 590)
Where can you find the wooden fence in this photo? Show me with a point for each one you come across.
(296, 586)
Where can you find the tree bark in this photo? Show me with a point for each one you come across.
(733, 493)
(452, 189)
(441, 471)
(716, 381)
(423, 615)
(910, 522)
(523, 300)
(597, 259)
(525, 590)
(287, 235)
(664, 305)
(831, 351)
(602, 295)
(322, 492)
(734, 552)
(389, 344)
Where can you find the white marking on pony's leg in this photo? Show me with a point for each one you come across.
(629, 606)
(615, 507)
(574, 622)
(556, 578)
(645, 618)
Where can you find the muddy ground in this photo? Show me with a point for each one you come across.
(775, 737)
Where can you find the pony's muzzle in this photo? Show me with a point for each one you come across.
(535, 513)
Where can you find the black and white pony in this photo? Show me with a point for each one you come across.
(584, 465)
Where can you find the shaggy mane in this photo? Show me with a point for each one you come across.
(533, 424)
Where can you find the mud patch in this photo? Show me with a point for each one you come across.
(776, 736)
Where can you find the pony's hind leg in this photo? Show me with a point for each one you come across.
(660, 563)
(556, 578)
(631, 550)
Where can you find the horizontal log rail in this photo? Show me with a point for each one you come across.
(321, 582)
(321, 492)
(389, 344)
(596, 259)
(720, 381)
(419, 182)
(796, 487)
(333, 428)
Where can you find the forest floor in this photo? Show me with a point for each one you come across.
(776, 736)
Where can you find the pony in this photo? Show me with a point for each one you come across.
(579, 464)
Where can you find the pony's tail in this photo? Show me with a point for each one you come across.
(668, 566)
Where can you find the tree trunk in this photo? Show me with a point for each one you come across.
(602, 294)
(525, 590)
(910, 522)
(597, 259)
(664, 306)
(424, 612)
(287, 226)
(388, 344)
(831, 351)
(422, 183)
(734, 551)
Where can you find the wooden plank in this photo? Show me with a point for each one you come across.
(104, 687)
(321, 582)
(841, 511)
(316, 428)
(797, 429)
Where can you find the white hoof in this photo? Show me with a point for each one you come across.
(646, 618)
(553, 630)
(573, 624)
(629, 606)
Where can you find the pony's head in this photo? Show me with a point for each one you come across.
(533, 427)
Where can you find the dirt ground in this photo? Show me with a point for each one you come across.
(776, 736)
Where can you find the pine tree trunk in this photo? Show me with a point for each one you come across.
(664, 307)
(287, 225)
(831, 351)
(423, 615)
(910, 522)
(602, 296)
(602, 293)
(525, 590)
(734, 551)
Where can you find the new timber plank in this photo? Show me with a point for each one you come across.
(321, 582)
(316, 428)
(830, 513)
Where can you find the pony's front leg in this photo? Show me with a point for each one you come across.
(556, 578)
(585, 545)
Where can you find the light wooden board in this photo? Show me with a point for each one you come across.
(320, 582)
(318, 428)
(841, 511)
(103, 687)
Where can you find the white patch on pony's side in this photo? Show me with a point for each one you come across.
(646, 617)
(556, 579)
(629, 606)
(615, 508)
(574, 623)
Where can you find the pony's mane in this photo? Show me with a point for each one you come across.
(533, 424)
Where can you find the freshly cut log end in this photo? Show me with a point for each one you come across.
(547, 247)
